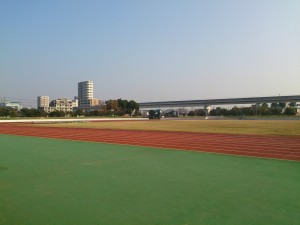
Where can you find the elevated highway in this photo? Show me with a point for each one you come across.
(211, 102)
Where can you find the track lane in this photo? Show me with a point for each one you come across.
(247, 145)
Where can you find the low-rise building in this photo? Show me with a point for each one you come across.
(61, 104)
(75, 102)
(15, 105)
(93, 104)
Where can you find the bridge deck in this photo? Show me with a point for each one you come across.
(229, 101)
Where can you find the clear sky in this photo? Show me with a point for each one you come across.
(150, 50)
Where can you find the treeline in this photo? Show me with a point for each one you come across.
(111, 107)
(25, 112)
(258, 109)
(117, 107)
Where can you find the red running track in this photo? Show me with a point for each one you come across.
(278, 147)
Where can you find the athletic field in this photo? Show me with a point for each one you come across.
(55, 181)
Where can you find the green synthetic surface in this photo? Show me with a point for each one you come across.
(55, 182)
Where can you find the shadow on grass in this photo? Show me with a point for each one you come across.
(2, 168)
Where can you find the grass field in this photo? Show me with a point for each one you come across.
(257, 127)
(48, 181)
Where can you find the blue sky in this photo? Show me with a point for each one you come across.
(150, 50)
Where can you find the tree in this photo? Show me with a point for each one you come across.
(94, 113)
(13, 113)
(103, 110)
(79, 112)
(277, 110)
(200, 112)
(274, 104)
(4, 112)
(57, 113)
(213, 112)
(221, 111)
(192, 113)
(235, 111)
(264, 109)
(249, 111)
(25, 112)
(183, 111)
(121, 107)
(134, 106)
(112, 106)
(291, 111)
(282, 104)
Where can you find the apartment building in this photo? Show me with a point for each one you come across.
(75, 102)
(85, 100)
(42, 101)
(61, 104)
(85, 93)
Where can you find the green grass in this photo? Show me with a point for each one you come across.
(47, 181)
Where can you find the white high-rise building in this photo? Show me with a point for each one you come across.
(42, 101)
(85, 93)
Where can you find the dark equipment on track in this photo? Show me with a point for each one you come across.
(154, 114)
